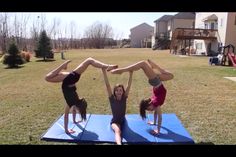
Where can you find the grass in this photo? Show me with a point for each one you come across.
(199, 95)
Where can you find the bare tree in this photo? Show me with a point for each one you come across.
(53, 32)
(23, 31)
(118, 39)
(43, 22)
(72, 34)
(4, 32)
(16, 29)
(97, 34)
(35, 31)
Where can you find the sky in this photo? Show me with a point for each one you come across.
(121, 22)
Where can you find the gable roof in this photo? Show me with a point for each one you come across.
(184, 15)
(210, 18)
(164, 18)
(141, 25)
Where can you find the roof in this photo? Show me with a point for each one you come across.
(164, 18)
(212, 17)
(180, 15)
(184, 15)
(142, 24)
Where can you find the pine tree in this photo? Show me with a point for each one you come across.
(13, 57)
(44, 49)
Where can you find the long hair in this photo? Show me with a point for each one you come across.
(82, 105)
(117, 86)
(143, 105)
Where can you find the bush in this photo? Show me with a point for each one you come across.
(13, 57)
(26, 56)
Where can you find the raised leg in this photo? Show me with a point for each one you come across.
(55, 75)
(144, 65)
(90, 61)
(164, 74)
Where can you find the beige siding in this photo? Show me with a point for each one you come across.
(182, 23)
(139, 33)
(230, 37)
(162, 27)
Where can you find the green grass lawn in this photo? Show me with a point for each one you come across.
(202, 99)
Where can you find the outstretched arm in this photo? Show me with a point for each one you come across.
(157, 114)
(109, 91)
(154, 122)
(129, 83)
(66, 119)
(74, 115)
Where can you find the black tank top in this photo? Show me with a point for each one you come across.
(70, 79)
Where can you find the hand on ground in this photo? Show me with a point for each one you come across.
(79, 121)
(155, 132)
(70, 131)
(151, 123)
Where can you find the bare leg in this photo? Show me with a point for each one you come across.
(164, 75)
(144, 65)
(53, 76)
(90, 61)
(116, 129)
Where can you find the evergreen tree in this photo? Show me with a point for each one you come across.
(13, 57)
(44, 49)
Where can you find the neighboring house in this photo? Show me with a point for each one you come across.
(165, 26)
(225, 25)
(181, 20)
(161, 26)
(141, 36)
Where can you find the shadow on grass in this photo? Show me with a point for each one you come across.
(14, 67)
(204, 143)
(47, 60)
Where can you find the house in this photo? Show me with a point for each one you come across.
(224, 23)
(141, 35)
(166, 25)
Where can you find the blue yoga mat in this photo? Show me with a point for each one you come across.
(97, 129)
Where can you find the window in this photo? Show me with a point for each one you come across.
(212, 25)
(199, 46)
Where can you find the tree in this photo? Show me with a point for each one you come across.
(97, 34)
(44, 49)
(4, 32)
(13, 57)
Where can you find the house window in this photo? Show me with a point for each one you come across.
(199, 46)
(221, 22)
(212, 25)
(216, 25)
(206, 26)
